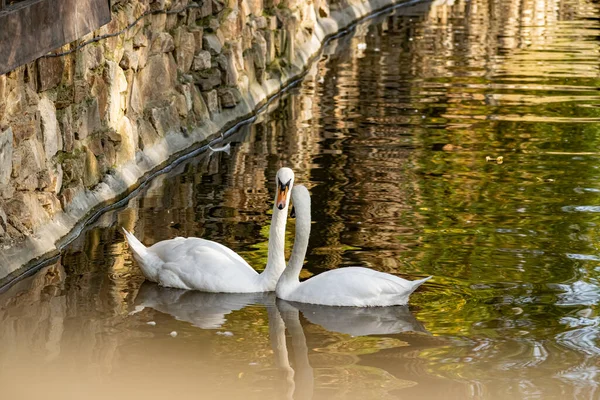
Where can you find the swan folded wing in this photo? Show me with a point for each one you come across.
(209, 269)
(179, 249)
(360, 287)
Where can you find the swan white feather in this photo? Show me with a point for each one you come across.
(200, 264)
(351, 286)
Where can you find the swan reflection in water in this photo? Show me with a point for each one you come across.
(210, 310)
(201, 309)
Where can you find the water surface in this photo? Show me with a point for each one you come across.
(396, 131)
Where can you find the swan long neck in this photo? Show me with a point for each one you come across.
(276, 255)
(291, 276)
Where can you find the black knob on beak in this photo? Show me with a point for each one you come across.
(280, 206)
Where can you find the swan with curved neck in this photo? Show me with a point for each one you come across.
(351, 286)
(200, 264)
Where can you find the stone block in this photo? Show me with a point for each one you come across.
(256, 7)
(128, 139)
(50, 71)
(229, 97)
(155, 82)
(25, 212)
(88, 120)
(140, 40)
(211, 98)
(165, 120)
(91, 172)
(230, 72)
(6, 150)
(66, 122)
(50, 128)
(117, 84)
(212, 44)
(185, 47)
(27, 126)
(201, 61)
(209, 79)
(130, 60)
(199, 106)
(205, 8)
(198, 33)
(161, 42)
(217, 6)
(28, 160)
(147, 135)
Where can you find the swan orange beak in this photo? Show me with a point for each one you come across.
(282, 194)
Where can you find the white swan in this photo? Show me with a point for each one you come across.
(351, 286)
(200, 264)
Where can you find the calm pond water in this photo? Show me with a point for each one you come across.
(397, 131)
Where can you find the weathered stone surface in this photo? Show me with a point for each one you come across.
(185, 47)
(72, 167)
(130, 60)
(140, 40)
(229, 97)
(6, 147)
(201, 61)
(270, 47)
(50, 71)
(165, 120)
(157, 5)
(91, 173)
(67, 129)
(25, 212)
(209, 79)
(231, 75)
(162, 42)
(206, 8)
(180, 104)
(186, 90)
(89, 57)
(28, 161)
(156, 81)
(117, 84)
(255, 6)
(260, 51)
(16, 102)
(101, 92)
(261, 22)
(211, 98)
(147, 134)
(212, 44)
(198, 33)
(128, 139)
(217, 6)
(199, 106)
(88, 120)
(50, 129)
(26, 127)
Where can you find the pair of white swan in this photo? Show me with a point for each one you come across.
(199, 264)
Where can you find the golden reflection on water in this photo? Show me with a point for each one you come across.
(390, 130)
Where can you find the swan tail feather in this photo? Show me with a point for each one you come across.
(419, 282)
(136, 246)
(148, 261)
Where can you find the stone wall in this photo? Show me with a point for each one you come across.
(78, 129)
